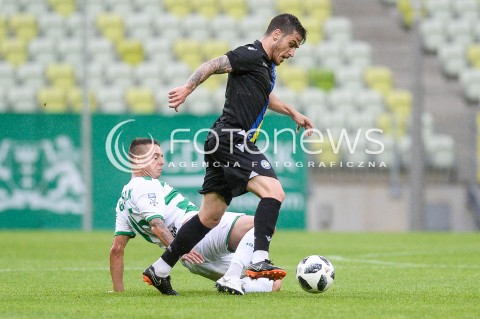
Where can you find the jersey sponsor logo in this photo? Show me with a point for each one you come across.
(265, 164)
(269, 238)
(152, 195)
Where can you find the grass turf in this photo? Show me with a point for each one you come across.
(378, 275)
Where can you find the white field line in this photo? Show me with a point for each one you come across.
(366, 262)
(79, 269)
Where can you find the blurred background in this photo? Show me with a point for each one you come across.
(71, 70)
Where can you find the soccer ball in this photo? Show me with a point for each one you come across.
(315, 274)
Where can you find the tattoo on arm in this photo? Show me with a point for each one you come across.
(216, 66)
(159, 228)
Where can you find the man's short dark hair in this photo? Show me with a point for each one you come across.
(287, 23)
(136, 146)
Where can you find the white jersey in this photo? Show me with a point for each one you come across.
(145, 198)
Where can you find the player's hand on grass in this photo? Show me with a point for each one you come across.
(194, 257)
(177, 96)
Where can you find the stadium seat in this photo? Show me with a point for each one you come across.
(22, 100)
(470, 80)
(329, 55)
(206, 8)
(311, 99)
(168, 26)
(119, 75)
(392, 124)
(286, 95)
(236, 9)
(349, 77)
(148, 75)
(200, 102)
(341, 99)
(433, 36)
(460, 32)
(179, 8)
(338, 29)
(295, 78)
(100, 50)
(370, 101)
(140, 100)
(24, 26)
(463, 7)
(440, 150)
(61, 75)
(212, 49)
(399, 102)
(42, 50)
(53, 27)
(31, 75)
(453, 59)
(111, 26)
(407, 12)
(63, 7)
(110, 99)
(14, 51)
(139, 26)
(438, 8)
(358, 54)
(11, 7)
(71, 52)
(222, 26)
(473, 55)
(36, 7)
(150, 7)
(322, 79)
(305, 56)
(130, 51)
(7, 75)
(96, 75)
(121, 7)
(74, 100)
(314, 25)
(52, 100)
(158, 50)
(294, 7)
(379, 78)
(319, 9)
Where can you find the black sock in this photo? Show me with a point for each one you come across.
(187, 237)
(265, 220)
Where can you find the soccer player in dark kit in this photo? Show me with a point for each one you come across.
(234, 164)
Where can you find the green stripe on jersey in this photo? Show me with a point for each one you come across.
(139, 229)
(191, 208)
(171, 196)
(154, 216)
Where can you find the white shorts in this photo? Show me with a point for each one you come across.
(122, 226)
(214, 248)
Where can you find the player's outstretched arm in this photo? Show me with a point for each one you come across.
(116, 261)
(179, 94)
(281, 107)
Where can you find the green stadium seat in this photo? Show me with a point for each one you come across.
(322, 79)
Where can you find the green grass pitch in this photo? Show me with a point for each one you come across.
(378, 275)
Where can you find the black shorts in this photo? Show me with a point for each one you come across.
(232, 165)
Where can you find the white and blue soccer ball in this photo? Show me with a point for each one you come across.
(315, 274)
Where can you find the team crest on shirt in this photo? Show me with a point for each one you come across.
(265, 164)
(153, 199)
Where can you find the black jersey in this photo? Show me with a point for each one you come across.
(248, 89)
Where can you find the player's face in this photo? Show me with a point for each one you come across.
(285, 46)
(153, 161)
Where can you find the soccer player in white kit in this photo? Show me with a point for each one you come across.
(155, 211)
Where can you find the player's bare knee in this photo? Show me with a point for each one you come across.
(116, 249)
